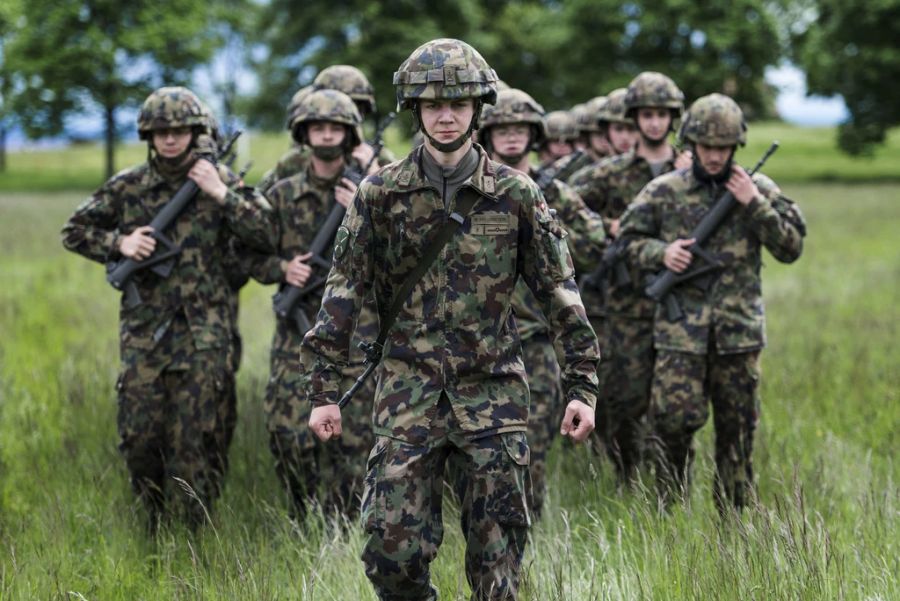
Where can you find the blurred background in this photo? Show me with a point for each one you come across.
(75, 72)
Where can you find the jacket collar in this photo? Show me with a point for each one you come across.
(410, 176)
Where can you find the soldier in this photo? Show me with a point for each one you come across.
(711, 355)
(596, 144)
(175, 344)
(615, 127)
(327, 122)
(621, 314)
(451, 384)
(560, 133)
(510, 129)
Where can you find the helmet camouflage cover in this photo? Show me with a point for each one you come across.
(560, 125)
(613, 111)
(444, 69)
(593, 109)
(328, 105)
(652, 89)
(714, 120)
(512, 106)
(295, 103)
(170, 107)
(584, 117)
(350, 81)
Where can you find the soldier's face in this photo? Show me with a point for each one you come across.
(171, 142)
(713, 158)
(599, 144)
(510, 140)
(654, 122)
(325, 133)
(446, 120)
(622, 137)
(559, 148)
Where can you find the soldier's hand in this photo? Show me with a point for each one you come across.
(684, 159)
(207, 178)
(678, 257)
(325, 422)
(344, 192)
(296, 271)
(364, 153)
(139, 244)
(578, 421)
(741, 185)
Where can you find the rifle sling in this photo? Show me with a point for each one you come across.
(468, 198)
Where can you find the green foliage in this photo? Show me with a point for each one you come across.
(850, 48)
(827, 526)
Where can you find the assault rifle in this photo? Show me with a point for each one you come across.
(660, 287)
(562, 172)
(286, 300)
(119, 273)
(613, 260)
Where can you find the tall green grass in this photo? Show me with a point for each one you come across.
(807, 155)
(826, 526)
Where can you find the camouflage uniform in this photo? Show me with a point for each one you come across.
(301, 205)
(451, 383)
(173, 418)
(621, 314)
(712, 354)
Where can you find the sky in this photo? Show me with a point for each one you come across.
(792, 104)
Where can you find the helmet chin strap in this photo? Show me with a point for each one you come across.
(458, 142)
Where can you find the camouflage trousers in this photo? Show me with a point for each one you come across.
(330, 475)
(684, 386)
(625, 374)
(175, 421)
(402, 510)
(545, 410)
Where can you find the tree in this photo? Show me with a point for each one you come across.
(79, 55)
(9, 13)
(849, 47)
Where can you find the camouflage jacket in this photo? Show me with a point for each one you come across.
(198, 285)
(730, 312)
(300, 204)
(608, 188)
(456, 333)
(586, 241)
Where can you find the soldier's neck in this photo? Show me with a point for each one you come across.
(655, 153)
(448, 159)
(326, 169)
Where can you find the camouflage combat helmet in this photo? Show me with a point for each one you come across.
(170, 107)
(512, 106)
(593, 109)
(652, 89)
(714, 120)
(613, 111)
(584, 117)
(502, 85)
(560, 125)
(328, 105)
(350, 81)
(295, 103)
(444, 69)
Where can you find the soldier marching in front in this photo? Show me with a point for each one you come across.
(710, 354)
(451, 385)
(173, 417)
(621, 314)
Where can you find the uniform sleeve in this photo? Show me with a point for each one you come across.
(546, 267)
(777, 222)
(92, 231)
(640, 226)
(587, 236)
(249, 215)
(326, 347)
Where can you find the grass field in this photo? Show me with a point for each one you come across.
(827, 526)
(807, 155)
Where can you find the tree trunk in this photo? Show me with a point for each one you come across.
(110, 114)
(2, 148)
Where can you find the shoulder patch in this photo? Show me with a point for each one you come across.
(341, 243)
